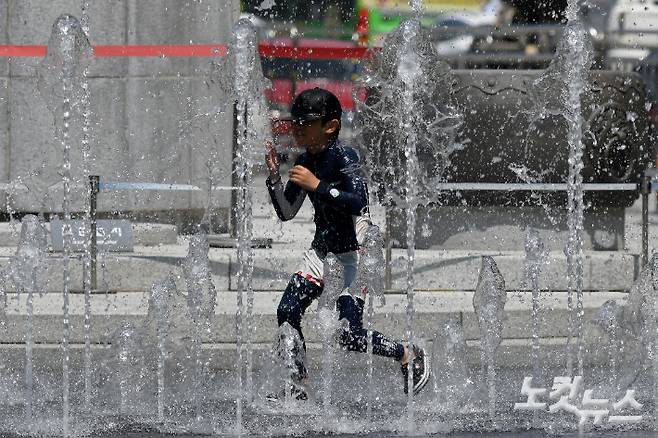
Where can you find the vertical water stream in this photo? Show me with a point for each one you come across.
(247, 86)
(61, 84)
(408, 71)
(575, 48)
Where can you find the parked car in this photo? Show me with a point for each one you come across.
(452, 32)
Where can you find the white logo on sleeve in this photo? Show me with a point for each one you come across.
(334, 193)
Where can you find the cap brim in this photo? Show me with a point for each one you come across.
(301, 119)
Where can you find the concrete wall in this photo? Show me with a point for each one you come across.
(140, 105)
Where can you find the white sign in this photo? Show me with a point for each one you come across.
(111, 235)
(565, 393)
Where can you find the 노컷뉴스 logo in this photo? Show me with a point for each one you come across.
(566, 397)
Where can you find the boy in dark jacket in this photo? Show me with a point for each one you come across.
(330, 175)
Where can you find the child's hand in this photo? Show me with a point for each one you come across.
(272, 159)
(304, 178)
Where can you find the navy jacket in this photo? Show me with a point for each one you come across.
(341, 196)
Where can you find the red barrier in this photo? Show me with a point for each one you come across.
(275, 51)
(160, 51)
(197, 50)
(23, 51)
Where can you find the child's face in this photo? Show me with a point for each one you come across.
(314, 135)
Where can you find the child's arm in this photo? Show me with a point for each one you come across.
(286, 202)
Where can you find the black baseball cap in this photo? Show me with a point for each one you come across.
(314, 104)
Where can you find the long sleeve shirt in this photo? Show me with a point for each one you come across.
(339, 199)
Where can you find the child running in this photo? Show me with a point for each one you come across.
(330, 174)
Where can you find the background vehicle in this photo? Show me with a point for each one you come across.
(292, 76)
(452, 31)
(633, 24)
(385, 15)
(362, 21)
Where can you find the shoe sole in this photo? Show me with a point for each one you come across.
(426, 376)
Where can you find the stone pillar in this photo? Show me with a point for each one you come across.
(155, 120)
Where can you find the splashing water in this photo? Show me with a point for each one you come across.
(654, 286)
(609, 318)
(369, 272)
(84, 16)
(536, 257)
(26, 270)
(85, 142)
(489, 304)
(575, 46)
(416, 7)
(160, 310)
(328, 325)
(556, 92)
(244, 83)
(201, 300)
(384, 118)
(290, 353)
(407, 74)
(631, 329)
(526, 175)
(127, 363)
(61, 80)
(369, 279)
(61, 73)
(449, 356)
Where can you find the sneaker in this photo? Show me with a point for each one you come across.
(296, 392)
(421, 370)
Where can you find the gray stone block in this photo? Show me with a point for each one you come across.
(130, 273)
(157, 154)
(222, 357)
(4, 14)
(4, 35)
(115, 22)
(144, 234)
(121, 272)
(137, 126)
(554, 314)
(207, 133)
(512, 354)
(432, 310)
(23, 67)
(458, 270)
(504, 228)
(272, 269)
(173, 22)
(517, 354)
(107, 26)
(109, 142)
(154, 234)
(4, 134)
(30, 22)
(163, 106)
(52, 280)
(35, 153)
